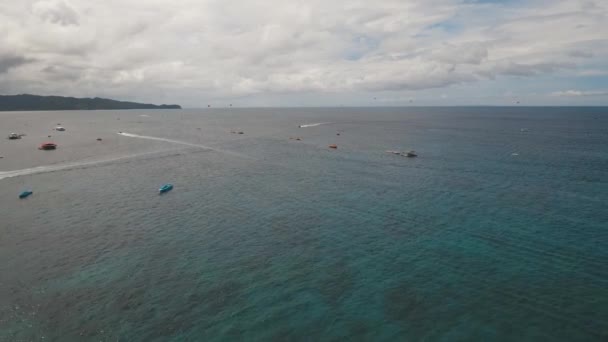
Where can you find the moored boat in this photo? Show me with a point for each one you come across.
(48, 146)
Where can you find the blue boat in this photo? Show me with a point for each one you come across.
(25, 194)
(165, 188)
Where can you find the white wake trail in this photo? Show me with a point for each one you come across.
(65, 166)
(314, 124)
(185, 143)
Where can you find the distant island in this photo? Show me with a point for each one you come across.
(34, 102)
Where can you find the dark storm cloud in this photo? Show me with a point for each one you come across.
(8, 62)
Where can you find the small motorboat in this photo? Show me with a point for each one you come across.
(14, 136)
(60, 128)
(165, 188)
(25, 194)
(99, 139)
(409, 154)
(48, 146)
(334, 146)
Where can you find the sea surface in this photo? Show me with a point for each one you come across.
(497, 231)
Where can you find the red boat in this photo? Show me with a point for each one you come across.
(47, 146)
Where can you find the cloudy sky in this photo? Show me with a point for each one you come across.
(308, 52)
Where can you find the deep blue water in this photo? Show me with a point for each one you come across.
(493, 233)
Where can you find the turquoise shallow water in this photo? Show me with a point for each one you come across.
(492, 233)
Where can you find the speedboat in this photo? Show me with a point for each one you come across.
(165, 188)
(334, 146)
(14, 136)
(411, 154)
(25, 194)
(59, 128)
(48, 146)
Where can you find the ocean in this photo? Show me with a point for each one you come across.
(497, 231)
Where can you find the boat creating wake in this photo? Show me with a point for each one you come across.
(185, 143)
(68, 166)
(314, 124)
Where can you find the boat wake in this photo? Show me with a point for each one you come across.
(68, 166)
(178, 142)
(82, 164)
(314, 124)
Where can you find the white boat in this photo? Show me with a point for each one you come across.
(60, 128)
(409, 154)
(14, 136)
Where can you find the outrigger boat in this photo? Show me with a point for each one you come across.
(409, 154)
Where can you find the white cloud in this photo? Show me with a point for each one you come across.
(55, 11)
(194, 49)
(593, 72)
(576, 93)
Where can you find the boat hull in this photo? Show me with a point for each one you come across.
(165, 188)
(25, 194)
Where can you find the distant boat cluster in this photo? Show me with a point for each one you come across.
(49, 146)
(46, 146)
(409, 154)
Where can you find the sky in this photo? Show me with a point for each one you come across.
(308, 53)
